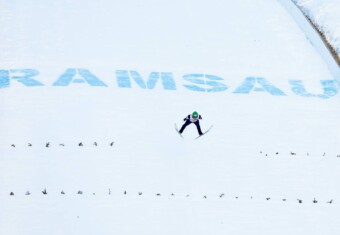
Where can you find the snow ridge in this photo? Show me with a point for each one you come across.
(325, 15)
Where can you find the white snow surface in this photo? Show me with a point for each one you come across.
(246, 176)
(325, 14)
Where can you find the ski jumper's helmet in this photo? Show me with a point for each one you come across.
(195, 114)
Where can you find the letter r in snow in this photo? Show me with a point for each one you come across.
(23, 76)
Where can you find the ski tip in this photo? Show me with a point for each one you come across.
(178, 131)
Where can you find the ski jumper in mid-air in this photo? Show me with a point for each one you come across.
(192, 118)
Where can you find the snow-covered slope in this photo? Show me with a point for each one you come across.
(90, 92)
(325, 14)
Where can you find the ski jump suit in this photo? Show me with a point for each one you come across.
(190, 119)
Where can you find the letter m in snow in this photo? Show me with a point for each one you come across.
(125, 78)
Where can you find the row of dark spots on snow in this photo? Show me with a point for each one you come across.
(293, 154)
(222, 195)
(80, 144)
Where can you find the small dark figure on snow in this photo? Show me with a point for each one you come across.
(192, 118)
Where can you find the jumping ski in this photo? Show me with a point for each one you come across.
(204, 132)
(178, 131)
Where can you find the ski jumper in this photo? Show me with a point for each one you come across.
(190, 119)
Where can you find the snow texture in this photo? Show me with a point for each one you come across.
(325, 14)
(90, 92)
